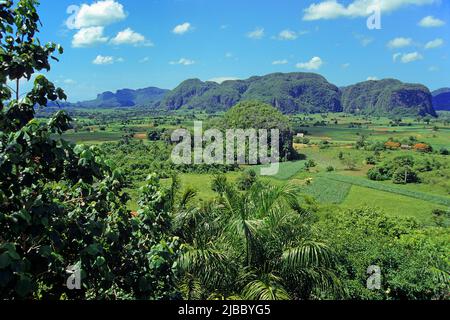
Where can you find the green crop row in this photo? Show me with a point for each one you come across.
(445, 201)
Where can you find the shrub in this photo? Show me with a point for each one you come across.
(378, 174)
(376, 146)
(301, 140)
(155, 134)
(372, 160)
(246, 180)
(444, 152)
(325, 144)
(405, 175)
(310, 164)
(349, 163)
(330, 169)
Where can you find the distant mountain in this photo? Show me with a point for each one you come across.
(388, 97)
(126, 98)
(441, 99)
(289, 92)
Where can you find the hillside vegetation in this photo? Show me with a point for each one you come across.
(387, 97)
(291, 92)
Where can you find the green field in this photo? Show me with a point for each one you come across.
(342, 187)
(392, 204)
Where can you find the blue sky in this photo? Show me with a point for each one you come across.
(115, 44)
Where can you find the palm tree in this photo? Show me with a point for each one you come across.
(256, 245)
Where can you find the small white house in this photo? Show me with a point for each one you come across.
(300, 135)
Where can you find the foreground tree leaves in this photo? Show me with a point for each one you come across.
(61, 205)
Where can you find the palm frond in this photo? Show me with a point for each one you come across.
(191, 288)
(186, 197)
(268, 288)
(307, 255)
(207, 264)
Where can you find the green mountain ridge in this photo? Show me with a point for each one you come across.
(289, 92)
(388, 96)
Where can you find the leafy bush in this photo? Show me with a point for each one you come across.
(372, 160)
(310, 164)
(349, 163)
(412, 260)
(378, 174)
(405, 175)
(246, 180)
(155, 134)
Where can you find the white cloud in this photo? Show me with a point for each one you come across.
(399, 43)
(372, 79)
(100, 13)
(408, 57)
(431, 22)
(345, 65)
(105, 60)
(332, 9)
(287, 35)
(222, 79)
(87, 37)
(102, 60)
(129, 36)
(436, 43)
(183, 61)
(313, 64)
(279, 62)
(144, 60)
(396, 56)
(258, 33)
(182, 28)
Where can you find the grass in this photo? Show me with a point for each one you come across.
(327, 191)
(392, 204)
(392, 189)
(286, 170)
(93, 137)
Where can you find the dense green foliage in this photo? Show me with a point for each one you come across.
(256, 245)
(256, 115)
(61, 205)
(414, 262)
(387, 97)
(403, 169)
(66, 206)
(137, 159)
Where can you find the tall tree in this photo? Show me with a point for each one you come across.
(62, 207)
